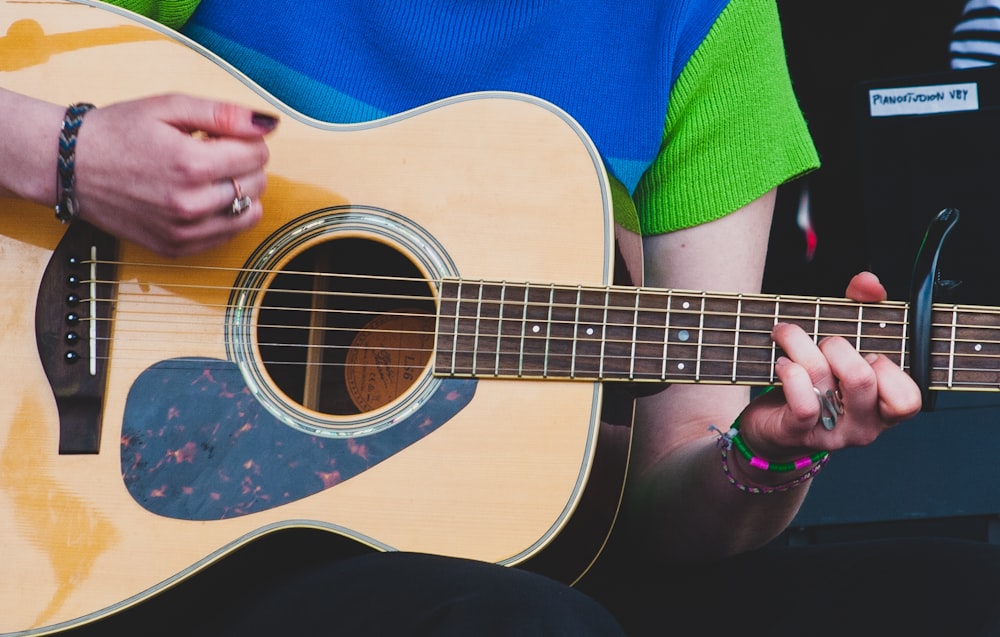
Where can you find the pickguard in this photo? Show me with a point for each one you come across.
(196, 444)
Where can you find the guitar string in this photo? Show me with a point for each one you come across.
(509, 370)
(170, 300)
(631, 292)
(706, 358)
(151, 299)
(691, 295)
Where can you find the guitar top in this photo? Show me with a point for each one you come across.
(413, 350)
(162, 413)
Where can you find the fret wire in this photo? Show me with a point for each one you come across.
(475, 338)
(548, 332)
(524, 331)
(635, 336)
(951, 352)
(458, 330)
(774, 346)
(701, 338)
(816, 323)
(902, 341)
(736, 336)
(604, 332)
(503, 298)
(576, 331)
(860, 331)
(666, 335)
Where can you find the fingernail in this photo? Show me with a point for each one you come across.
(264, 121)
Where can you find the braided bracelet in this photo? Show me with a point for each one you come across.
(66, 208)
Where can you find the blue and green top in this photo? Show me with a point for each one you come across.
(688, 101)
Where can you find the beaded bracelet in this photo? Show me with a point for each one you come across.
(66, 208)
(734, 439)
(784, 486)
(729, 439)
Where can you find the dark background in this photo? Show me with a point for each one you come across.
(931, 475)
(831, 48)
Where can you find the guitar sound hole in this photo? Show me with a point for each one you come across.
(347, 326)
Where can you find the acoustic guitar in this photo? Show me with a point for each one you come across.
(422, 347)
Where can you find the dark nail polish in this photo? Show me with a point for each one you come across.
(264, 121)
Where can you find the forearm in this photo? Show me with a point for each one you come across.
(679, 495)
(681, 502)
(29, 147)
(682, 506)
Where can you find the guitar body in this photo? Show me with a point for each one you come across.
(484, 186)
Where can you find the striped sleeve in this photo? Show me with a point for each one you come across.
(734, 129)
(976, 38)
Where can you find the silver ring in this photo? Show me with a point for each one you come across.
(241, 203)
(831, 405)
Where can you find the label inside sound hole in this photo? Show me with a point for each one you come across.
(387, 356)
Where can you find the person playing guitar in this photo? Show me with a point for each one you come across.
(424, 164)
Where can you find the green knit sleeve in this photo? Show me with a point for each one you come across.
(171, 13)
(734, 129)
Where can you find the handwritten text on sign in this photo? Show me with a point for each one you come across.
(923, 100)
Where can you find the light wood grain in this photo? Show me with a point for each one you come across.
(509, 187)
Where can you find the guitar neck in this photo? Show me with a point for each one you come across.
(505, 330)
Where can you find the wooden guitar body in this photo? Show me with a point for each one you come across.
(205, 441)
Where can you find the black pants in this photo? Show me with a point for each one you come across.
(294, 586)
(298, 583)
(888, 588)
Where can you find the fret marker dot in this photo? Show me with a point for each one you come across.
(979, 347)
(680, 365)
(882, 325)
(536, 329)
(686, 305)
(590, 331)
(683, 335)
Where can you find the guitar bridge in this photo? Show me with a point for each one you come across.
(72, 331)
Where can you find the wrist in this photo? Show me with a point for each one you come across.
(763, 482)
(751, 472)
(793, 463)
(755, 470)
(29, 148)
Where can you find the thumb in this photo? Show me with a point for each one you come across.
(216, 119)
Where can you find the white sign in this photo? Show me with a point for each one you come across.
(923, 100)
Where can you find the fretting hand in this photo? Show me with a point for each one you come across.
(874, 392)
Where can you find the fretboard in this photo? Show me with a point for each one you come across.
(504, 330)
